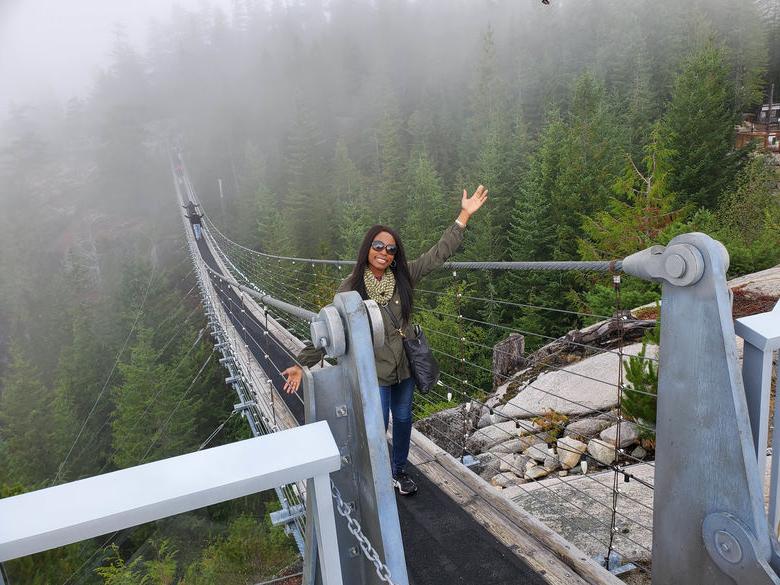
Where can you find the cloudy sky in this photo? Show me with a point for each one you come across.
(52, 48)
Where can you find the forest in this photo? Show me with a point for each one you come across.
(600, 127)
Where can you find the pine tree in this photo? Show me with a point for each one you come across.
(308, 206)
(390, 196)
(154, 405)
(25, 424)
(697, 131)
(428, 207)
(636, 217)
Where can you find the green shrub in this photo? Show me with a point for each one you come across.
(641, 387)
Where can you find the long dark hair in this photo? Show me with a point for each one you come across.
(403, 281)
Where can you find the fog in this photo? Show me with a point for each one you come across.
(52, 50)
(600, 127)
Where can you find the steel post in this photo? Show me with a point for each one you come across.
(347, 396)
(709, 525)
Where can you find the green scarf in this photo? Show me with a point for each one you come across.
(380, 291)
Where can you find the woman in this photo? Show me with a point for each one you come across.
(383, 274)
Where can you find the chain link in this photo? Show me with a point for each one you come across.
(357, 531)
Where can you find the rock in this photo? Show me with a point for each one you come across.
(487, 465)
(485, 438)
(566, 390)
(511, 462)
(445, 428)
(485, 420)
(517, 445)
(552, 463)
(536, 472)
(602, 452)
(764, 283)
(629, 434)
(639, 453)
(506, 480)
(586, 428)
(563, 473)
(537, 452)
(570, 451)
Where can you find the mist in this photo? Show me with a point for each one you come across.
(600, 127)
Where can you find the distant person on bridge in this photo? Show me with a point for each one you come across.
(194, 217)
(392, 289)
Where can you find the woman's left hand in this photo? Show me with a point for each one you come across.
(473, 203)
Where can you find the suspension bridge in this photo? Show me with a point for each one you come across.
(680, 519)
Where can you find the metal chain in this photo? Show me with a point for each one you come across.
(357, 531)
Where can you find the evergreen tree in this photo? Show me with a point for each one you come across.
(428, 208)
(154, 406)
(81, 376)
(26, 431)
(636, 217)
(308, 205)
(389, 200)
(697, 131)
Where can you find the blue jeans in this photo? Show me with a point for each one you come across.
(398, 399)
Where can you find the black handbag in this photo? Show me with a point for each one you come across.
(425, 370)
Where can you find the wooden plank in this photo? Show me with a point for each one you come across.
(570, 556)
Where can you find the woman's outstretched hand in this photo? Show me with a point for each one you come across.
(294, 374)
(469, 205)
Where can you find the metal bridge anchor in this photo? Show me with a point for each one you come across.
(709, 523)
(347, 396)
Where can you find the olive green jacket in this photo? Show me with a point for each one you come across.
(391, 363)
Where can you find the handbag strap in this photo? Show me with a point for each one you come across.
(393, 319)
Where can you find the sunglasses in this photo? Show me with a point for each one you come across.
(379, 245)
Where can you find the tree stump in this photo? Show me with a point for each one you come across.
(508, 358)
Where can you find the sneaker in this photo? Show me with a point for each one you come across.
(404, 484)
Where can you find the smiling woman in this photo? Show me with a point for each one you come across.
(382, 274)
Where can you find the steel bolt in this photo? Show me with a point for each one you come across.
(728, 547)
(675, 265)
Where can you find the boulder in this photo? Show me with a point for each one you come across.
(485, 438)
(536, 472)
(537, 452)
(552, 463)
(485, 420)
(639, 453)
(512, 462)
(629, 434)
(445, 428)
(602, 452)
(487, 465)
(570, 450)
(577, 389)
(517, 445)
(586, 428)
(506, 479)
